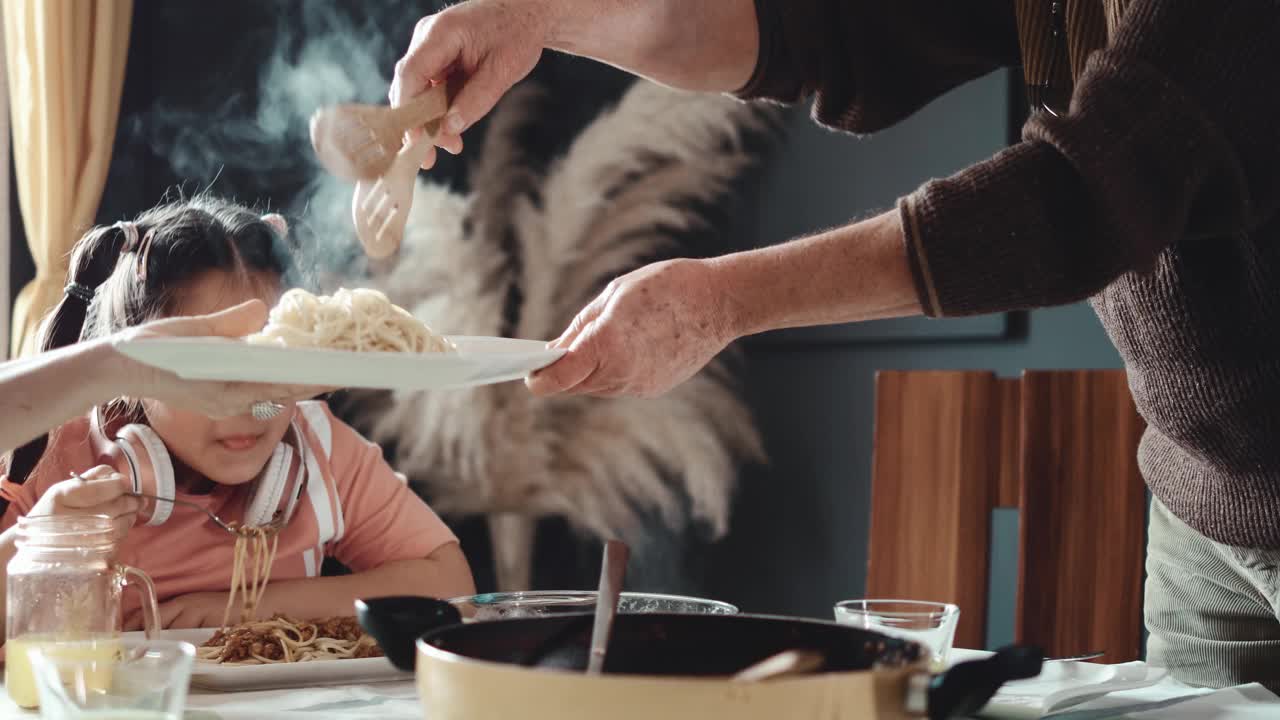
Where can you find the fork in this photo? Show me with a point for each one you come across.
(1094, 655)
(380, 209)
(275, 523)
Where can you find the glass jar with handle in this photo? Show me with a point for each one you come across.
(65, 586)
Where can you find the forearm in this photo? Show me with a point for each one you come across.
(42, 392)
(443, 575)
(706, 45)
(853, 273)
(1162, 146)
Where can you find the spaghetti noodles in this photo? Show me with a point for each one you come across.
(360, 320)
(286, 640)
(280, 639)
(252, 558)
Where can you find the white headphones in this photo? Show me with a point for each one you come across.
(138, 453)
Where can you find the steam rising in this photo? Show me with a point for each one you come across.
(257, 149)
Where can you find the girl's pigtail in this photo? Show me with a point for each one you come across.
(92, 262)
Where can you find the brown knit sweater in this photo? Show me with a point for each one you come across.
(1155, 195)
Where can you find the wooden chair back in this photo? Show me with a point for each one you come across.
(1061, 447)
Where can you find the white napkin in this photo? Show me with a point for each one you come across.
(1243, 702)
(1063, 684)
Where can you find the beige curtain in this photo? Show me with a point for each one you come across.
(65, 62)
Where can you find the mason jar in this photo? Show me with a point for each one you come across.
(65, 585)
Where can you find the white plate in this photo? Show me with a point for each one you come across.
(479, 361)
(228, 678)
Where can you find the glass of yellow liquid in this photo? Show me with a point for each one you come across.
(20, 680)
(64, 590)
(139, 680)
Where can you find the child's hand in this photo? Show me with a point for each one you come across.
(101, 492)
(185, 612)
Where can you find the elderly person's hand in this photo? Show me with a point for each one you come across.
(649, 331)
(214, 399)
(481, 48)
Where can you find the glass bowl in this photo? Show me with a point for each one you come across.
(534, 603)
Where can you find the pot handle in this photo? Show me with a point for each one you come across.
(966, 687)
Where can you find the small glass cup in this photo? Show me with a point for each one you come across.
(932, 624)
(138, 680)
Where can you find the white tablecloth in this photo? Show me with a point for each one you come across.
(386, 701)
(398, 701)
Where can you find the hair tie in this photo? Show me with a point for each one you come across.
(277, 221)
(144, 253)
(130, 230)
(83, 293)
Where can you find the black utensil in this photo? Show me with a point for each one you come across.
(966, 687)
(397, 623)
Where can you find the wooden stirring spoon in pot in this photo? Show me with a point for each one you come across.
(783, 664)
(360, 142)
(613, 570)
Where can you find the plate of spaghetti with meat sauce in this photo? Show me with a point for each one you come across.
(278, 652)
(284, 652)
(260, 653)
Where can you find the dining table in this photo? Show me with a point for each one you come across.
(398, 700)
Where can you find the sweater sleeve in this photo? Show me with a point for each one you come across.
(1169, 137)
(869, 63)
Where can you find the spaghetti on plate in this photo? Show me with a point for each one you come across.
(286, 640)
(360, 320)
(281, 639)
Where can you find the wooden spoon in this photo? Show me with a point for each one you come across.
(612, 571)
(360, 142)
(783, 664)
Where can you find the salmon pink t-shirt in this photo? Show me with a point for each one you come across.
(355, 509)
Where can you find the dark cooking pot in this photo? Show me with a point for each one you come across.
(671, 667)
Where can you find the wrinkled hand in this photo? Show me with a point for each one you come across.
(480, 48)
(214, 399)
(649, 331)
(186, 612)
(101, 492)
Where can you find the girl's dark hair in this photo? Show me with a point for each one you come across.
(137, 274)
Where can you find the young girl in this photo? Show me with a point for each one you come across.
(200, 257)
